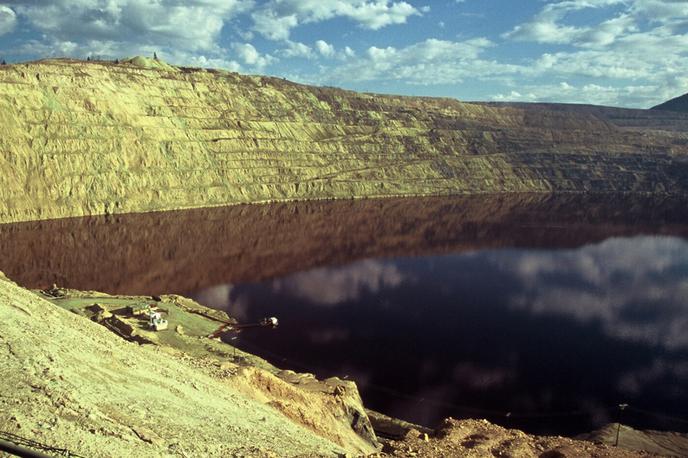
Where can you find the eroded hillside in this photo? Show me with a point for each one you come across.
(82, 138)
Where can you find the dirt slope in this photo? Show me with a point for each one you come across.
(71, 383)
(663, 443)
(480, 438)
(86, 138)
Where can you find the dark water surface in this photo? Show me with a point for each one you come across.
(537, 312)
(556, 337)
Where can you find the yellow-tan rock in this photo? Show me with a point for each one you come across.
(80, 138)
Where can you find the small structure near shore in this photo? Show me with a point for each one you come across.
(156, 322)
(137, 309)
(270, 322)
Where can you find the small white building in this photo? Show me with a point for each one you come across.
(156, 322)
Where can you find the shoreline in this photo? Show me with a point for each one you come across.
(189, 321)
(537, 195)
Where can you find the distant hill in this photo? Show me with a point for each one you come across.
(623, 118)
(677, 104)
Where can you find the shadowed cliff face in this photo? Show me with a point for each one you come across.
(186, 251)
(100, 138)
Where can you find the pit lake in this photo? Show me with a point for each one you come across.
(538, 312)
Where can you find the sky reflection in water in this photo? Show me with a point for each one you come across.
(488, 332)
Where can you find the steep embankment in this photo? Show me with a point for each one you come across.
(70, 383)
(81, 138)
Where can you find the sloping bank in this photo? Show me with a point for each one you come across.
(71, 383)
(85, 138)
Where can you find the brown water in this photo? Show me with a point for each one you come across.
(537, 312)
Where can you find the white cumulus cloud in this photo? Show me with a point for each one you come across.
(8, 20)
(277, 18)
(546, 27)
(549, 25)
(661, 11)
(431, 61)
(250, 55)
(325, 49)
(633, 57)
(190, 25)
(117, 28)
(296, 49)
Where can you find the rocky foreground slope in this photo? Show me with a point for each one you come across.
(73, 384)
(80, 138)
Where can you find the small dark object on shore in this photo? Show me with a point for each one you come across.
(54, 291)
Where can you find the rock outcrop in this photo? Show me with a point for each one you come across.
(83, 138)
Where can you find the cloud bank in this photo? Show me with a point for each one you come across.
(612, 52)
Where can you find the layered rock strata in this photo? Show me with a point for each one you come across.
(83, 138)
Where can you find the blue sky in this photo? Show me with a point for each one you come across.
(631, 53)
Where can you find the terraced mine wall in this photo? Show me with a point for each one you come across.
(88, 138)
(654, 119)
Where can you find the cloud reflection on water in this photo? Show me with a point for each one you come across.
(479, 377)
(329, 335)
(635, 381)
(216, 296)
(335, 285)
(517, 329)
(636, 288)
